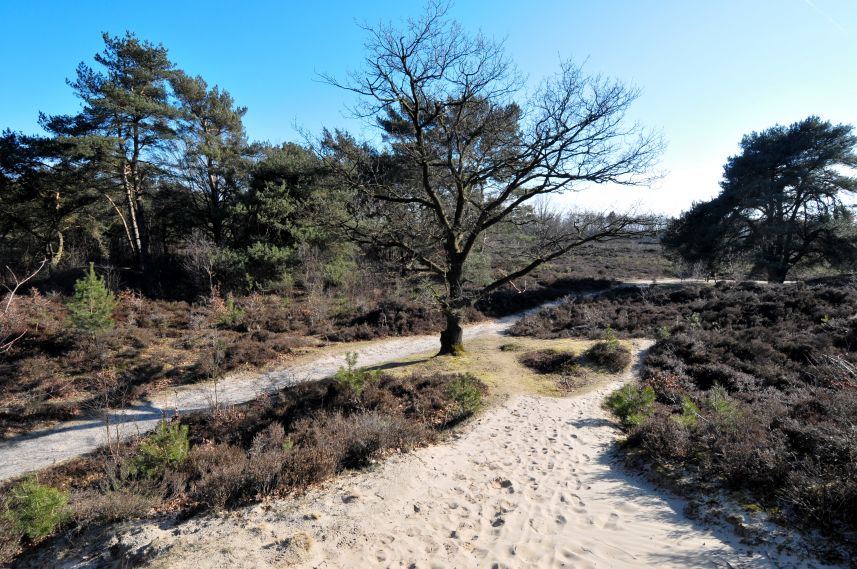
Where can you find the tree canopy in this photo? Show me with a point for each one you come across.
(156, 175)
(465, 154)
(780, 205)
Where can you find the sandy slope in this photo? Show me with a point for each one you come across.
(532, 483)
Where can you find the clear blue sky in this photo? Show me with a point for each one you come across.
(710, 71)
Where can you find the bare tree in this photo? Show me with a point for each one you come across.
(461, 157)
(12, 328)
(200, 258)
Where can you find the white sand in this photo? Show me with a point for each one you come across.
(532, 483)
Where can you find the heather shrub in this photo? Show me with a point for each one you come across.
(823, 495)
(35, 510)
(219, 474)
(550, 361)
(466, 396)
(609, 355)
(662, 438)
(113, 505)
(268, 454)
(310, 462)
(366, 435)
(744, 452)
(10, 542)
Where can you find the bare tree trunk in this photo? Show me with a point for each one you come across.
(122, 219)
(452, 338)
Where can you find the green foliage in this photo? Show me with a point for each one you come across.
(720, 403)
(215, 153)
(35, 509)
(339, 268)
(478, 268)
(664, 332)
(464, 391)
(167, 447)
(695, 320)
(92, 306)
(357, 379)
(232, 313)
(610, 337)
(631, 404)
(781, 203)
(689, 413)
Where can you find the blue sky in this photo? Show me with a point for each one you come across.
(709, 71)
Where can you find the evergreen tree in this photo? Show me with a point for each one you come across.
(127, 118)
(214, 156)
(781, 203)
(92, 306)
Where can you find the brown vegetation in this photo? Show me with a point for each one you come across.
(755, 387)
(53, 373)
(279, 444)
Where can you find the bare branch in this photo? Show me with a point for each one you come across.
(9, 335)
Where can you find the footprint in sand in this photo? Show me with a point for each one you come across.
(612, 522)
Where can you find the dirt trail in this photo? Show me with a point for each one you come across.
(45, 447)
(534, 482)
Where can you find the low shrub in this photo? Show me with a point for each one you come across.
(631, 403)
(662, 438)
(167, 447)
(365, 436)
(466, 395)
(113, 505)
(609, 355)
(356, 379)
(218, 475)
(34, 509)
(10, 542)
(268, 459)
(549, 361)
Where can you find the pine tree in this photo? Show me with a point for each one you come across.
(92, 306)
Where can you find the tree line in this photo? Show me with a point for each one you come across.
(157, 167)
(156, 174)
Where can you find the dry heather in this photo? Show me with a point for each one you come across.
(754, 389)
(280, 444)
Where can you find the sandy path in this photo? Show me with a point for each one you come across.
(532, 483)
(43, 448)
